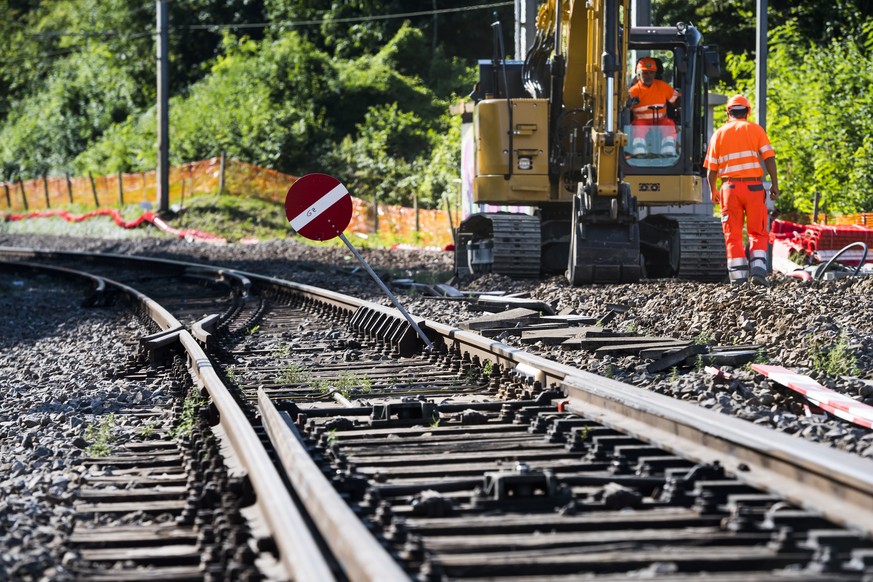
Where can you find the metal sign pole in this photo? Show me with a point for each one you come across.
(319, 207)
(387, 291)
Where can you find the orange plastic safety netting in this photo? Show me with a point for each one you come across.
(423, 226)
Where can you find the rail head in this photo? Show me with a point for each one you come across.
(299, 551)
(362, 557)
(835, 484)
(160, 316)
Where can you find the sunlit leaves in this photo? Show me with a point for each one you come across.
(819, 103)
(347, 92)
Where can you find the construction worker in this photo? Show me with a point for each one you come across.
(735, 155)
(649, 98)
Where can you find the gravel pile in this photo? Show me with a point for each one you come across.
(802, 325)
(55, 388)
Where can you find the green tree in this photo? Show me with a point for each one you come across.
(310, 78)
(197, 30)
(263, 102)
(819, 103)
(283, 103)
(382, 161)
(378, 163)
(79, 101)
(731, 24)
(357, 27)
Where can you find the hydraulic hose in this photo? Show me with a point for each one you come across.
(819, 273)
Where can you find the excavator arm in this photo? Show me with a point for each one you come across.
(555, 142)
(586, 48)
(604, 233)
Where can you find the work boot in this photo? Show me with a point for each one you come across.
(737, 283)
(759, 277)
(669, 150)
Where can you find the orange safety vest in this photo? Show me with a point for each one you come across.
(737, 149)
(658, 94)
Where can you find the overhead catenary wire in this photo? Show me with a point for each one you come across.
(371, 18)
(281, 25)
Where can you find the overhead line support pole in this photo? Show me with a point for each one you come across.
(163, 170)
(761, 66)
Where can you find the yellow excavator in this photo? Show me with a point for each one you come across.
(551, 137)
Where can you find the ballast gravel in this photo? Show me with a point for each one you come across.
(58, 400)
(55, 386)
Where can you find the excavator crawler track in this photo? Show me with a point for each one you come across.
(503, 243)
(693, 242)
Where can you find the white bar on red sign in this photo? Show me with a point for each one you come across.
(322, 204)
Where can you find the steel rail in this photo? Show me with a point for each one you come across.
(362, 557)
(299, 551)
(98, 282)
(163, 318)
(825, 480)
(222, 273)
(332, 298)
(834, 483)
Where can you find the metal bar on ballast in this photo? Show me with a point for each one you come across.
(391, 296)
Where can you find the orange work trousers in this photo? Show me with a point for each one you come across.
(743, 202)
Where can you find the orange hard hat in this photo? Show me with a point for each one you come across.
(647, 64)
(738, 101)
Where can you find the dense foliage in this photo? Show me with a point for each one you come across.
(731, 24)
(362, 88)
(818, 117)
(820, 72)
(307, 85)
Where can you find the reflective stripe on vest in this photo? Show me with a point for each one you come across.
(737, 149)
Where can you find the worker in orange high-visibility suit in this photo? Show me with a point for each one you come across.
(735, 155)
(649, 97)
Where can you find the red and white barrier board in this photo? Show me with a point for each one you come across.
(839, 405)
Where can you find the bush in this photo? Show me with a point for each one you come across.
(818, 119)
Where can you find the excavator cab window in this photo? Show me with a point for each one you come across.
(654, 136)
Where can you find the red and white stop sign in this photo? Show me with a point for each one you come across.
(318, 207)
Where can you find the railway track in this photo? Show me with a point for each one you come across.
(474, 460)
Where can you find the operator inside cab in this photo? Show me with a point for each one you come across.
(652, 130)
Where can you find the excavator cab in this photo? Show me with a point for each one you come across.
(679, 237)
(666, 175)
(656, 136)
(553, 136)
